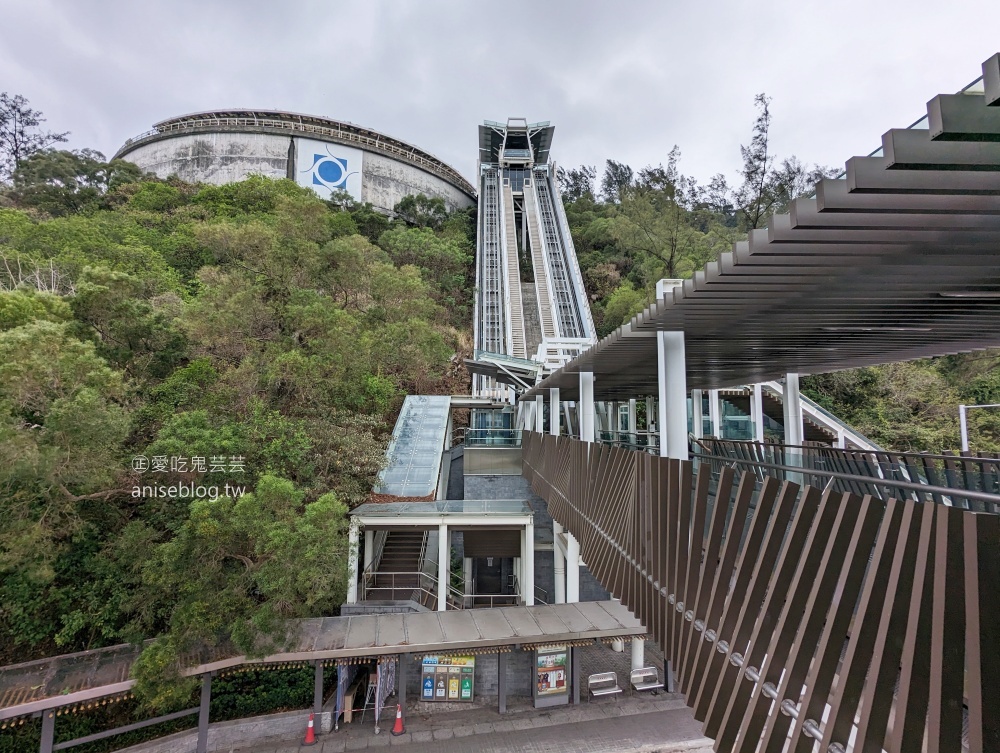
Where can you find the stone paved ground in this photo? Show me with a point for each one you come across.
(622, 724)
(630, 723)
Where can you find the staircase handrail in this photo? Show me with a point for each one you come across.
(880, 487)
(378, 546)
(776, 388)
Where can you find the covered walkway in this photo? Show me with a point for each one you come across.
(47, 685)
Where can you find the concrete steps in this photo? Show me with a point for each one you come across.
(542, 286)
(514, 309)
(532, 322)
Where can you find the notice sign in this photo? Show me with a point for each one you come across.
(551, 674)
(447, 678)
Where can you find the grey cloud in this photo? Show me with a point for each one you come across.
(623, 80)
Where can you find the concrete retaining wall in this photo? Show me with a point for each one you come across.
(224, 736)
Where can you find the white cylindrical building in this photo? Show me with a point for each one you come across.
(323, 154)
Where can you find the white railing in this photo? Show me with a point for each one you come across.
(555, 352)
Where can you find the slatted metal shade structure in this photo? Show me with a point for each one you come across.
(899, 259)
(795, 618)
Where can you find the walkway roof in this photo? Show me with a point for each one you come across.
(65, 680)
(898, 259)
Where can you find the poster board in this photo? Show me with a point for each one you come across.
(552, 677)
(447, 679)
(326, 167)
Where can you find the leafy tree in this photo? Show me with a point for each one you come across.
(20, 133)
(422, 211)
(576, 183)
(61, 431)
(130, 333)
(617, 181)
(163, 319)
(756, 197)
(622, 305)
(238, 567)
(24, 305)
(443, 262)
(767, 190)
(601, 280)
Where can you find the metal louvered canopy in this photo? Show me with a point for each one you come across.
(899, 259)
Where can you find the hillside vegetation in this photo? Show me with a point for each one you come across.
(196, 383)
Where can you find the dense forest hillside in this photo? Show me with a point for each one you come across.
(196, 383)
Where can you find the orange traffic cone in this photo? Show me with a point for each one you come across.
(310, 732)
(397, 728)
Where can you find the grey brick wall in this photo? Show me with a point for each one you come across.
(545, 575)
(591, 588)
(497, 487)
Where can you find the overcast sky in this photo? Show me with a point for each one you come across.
(621, 80)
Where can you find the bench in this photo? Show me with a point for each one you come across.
(603, 683)
(646, 678)
(352, 691)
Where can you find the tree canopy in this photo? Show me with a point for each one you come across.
(196, 384)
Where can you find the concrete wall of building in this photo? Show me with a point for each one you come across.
(229, 156)
(215, 158)
(385, 182)
(517, 487)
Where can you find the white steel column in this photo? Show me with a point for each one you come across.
(558, 565)
(757, 412)
(585, 415)
(353, 537)
(369, 547)
(517, 569)
(632, 438)
(558, 557)
(444, 554)
(793, 410)
(467, 574)
(572, 569)
(585, 406)
(672, 373)
(650, 421)
(697, 419)
(715, 413)
(638, 653)
(539, 414)
(672, 394)
(528, 564)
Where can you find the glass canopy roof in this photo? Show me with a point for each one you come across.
(414, 454)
